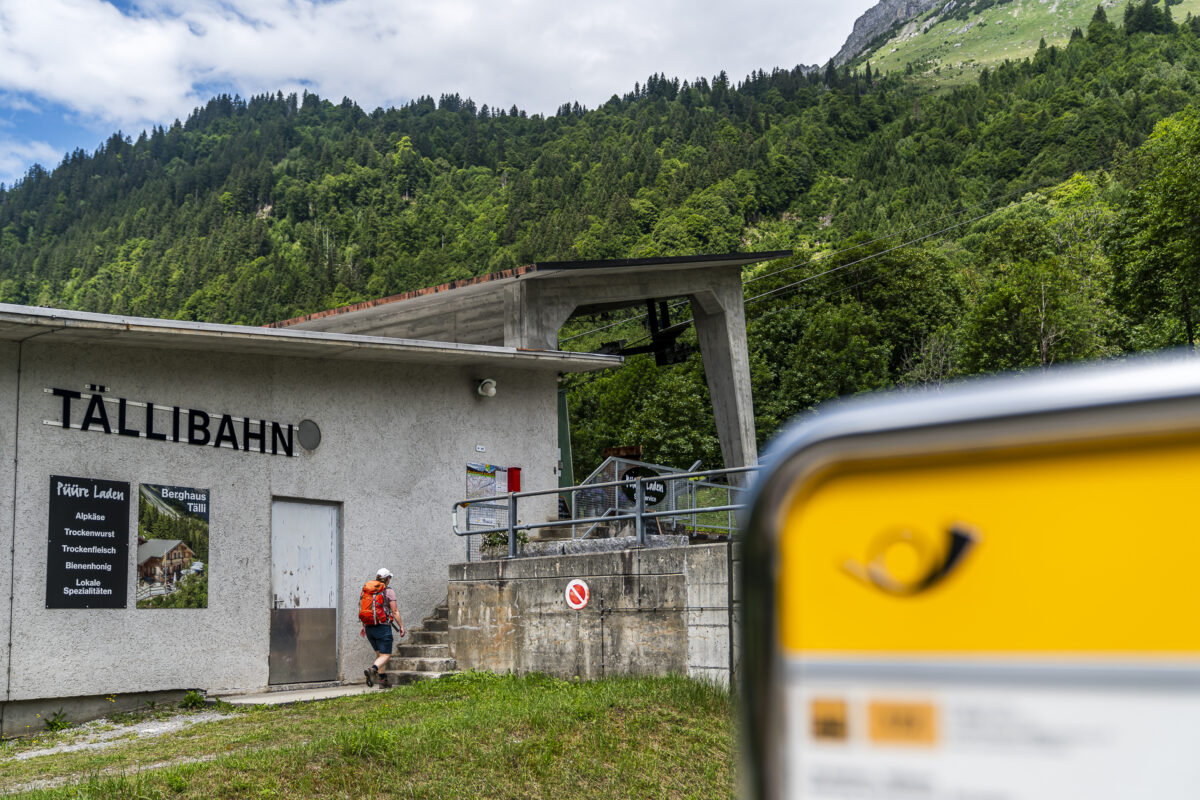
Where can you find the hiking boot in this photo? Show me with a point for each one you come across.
(383, 680)
(370, 673)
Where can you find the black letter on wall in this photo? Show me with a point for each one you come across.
(150, 434)
(225, 432)
(121, 427)
(67, 395)
(197, 427)
(249, 435)
(277, 439)
(96, 413)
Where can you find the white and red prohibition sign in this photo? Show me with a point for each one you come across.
(577, 594)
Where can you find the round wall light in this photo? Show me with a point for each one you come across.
(310, 434)
(487, 388)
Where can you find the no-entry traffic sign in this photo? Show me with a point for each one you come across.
(577, 594)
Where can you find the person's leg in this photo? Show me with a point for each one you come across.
(381, 639)
(384, 651)
(378, 668)
(372, 673)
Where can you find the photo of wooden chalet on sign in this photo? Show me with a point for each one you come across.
(172, 553)
(164, 560)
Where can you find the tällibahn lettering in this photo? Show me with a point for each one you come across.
(171, 424)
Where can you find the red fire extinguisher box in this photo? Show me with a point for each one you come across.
(514, 479)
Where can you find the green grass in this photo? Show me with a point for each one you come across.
(947, 56)
(712, 521)
(471, 735)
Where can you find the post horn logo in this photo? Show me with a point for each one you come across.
(935, 560)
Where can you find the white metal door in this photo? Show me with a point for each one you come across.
(304, 584)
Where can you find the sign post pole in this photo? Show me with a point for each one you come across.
(512, 525)
(639, 509)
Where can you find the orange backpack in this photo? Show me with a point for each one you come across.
(373, 605)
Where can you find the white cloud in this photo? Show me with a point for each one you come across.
(17, 156)
(157, 62)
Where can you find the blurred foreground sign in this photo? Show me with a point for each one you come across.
(987, 592)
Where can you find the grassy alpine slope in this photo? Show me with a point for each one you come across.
(471, 735)
(950, 45)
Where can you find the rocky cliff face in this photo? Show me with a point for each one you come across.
(878, 19)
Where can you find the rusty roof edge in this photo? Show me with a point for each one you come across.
(514, 272)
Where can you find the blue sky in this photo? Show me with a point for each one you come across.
(74, 71)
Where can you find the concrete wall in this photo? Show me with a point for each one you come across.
(8, 466)
(652, 612)
(396, 439)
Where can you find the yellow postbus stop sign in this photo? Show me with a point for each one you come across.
(985, 592)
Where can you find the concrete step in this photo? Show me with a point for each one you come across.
(402, 678)
(554, 533)
(425, 652)
(562, 533)
(421, 651)
(420, 664)
(707, 538)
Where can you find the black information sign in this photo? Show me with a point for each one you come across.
(87, 562)
(655, 490)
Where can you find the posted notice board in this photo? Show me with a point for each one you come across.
(87, 559)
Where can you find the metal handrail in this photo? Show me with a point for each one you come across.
(639, 515)
(592, 527)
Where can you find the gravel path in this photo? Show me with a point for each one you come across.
(97, 735)
(97, 739)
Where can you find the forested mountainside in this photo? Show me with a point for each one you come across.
(1043, 213)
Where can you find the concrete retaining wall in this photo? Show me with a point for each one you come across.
(654, 611)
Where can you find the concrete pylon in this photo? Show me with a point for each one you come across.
(720, 318)
(534, 311)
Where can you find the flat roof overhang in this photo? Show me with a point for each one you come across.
(25, 323)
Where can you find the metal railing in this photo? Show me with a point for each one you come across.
(639, 514)
(594, 525)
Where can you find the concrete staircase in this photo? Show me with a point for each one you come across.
(425, 653)
(556, 540)
(622, 529)
(564, 532)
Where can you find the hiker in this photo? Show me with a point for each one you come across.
(377, 610)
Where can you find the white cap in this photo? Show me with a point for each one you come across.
(383, 574)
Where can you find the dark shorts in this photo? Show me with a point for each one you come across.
(380, 637)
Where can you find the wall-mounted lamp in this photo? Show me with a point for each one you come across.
(487, 388)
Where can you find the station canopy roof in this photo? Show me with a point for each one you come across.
(24, 323)
(474, 309)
